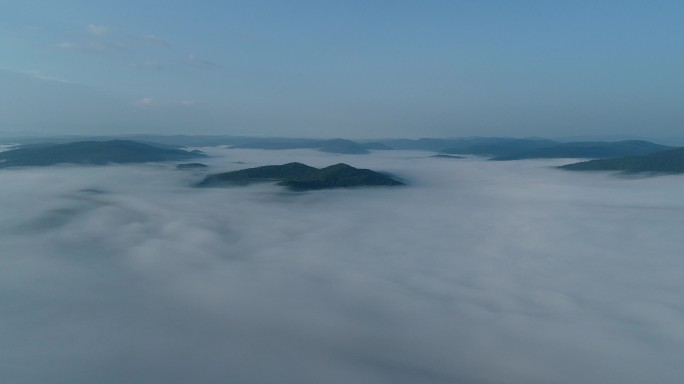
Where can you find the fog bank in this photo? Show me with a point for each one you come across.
(476, 272)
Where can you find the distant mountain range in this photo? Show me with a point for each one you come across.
(91, 152)
(670, 161)
(496, 148)
(300, 176)
(443, 156)
(588, 149)
(332, 146)
(623, 156)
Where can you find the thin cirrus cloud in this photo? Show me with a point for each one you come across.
(38, 75)
(98, 29)
(145, 102)
(92, 47)
(146, 65)
(154, 40)
(103, 39)
(152, 102)
(197, 62)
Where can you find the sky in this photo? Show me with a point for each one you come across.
(477, 272)
(356, 69)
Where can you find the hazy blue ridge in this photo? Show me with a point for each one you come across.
(377, 146)
(589, 149)
(278, 144)
(470, 145)
(342, 146)
(670, 161)
(300, 176)
(425, 144)
(91, 152)
(443, 156)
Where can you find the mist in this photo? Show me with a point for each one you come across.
(475, 272)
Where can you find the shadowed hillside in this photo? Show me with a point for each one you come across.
(299, 176)
(92, 152)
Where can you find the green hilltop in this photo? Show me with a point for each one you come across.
(300, 176)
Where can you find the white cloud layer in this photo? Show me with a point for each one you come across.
(478, 272)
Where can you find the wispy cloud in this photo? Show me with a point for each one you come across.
(101, 39)
(146, 65)
(98, 29)
(479, 272)
(68, 46)
(145, 102)
(152, 102)
(197, 62)
(154, 40)
(91, 47)
(37, 75)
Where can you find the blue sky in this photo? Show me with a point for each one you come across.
(343, 68)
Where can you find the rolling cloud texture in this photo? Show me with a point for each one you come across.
(477, 272)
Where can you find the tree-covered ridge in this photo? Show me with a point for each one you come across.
(265, 173)
(490, 146)
(588, 149)
(671, 161)
(92, 152)
(303, 177)
(341, 146)
(339, 176)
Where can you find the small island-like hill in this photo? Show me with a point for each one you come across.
(298, 176)
(191, 166)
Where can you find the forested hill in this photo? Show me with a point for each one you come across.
(91, 152)
(671, 161)
(300, 176)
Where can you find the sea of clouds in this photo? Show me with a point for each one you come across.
(475, 272)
